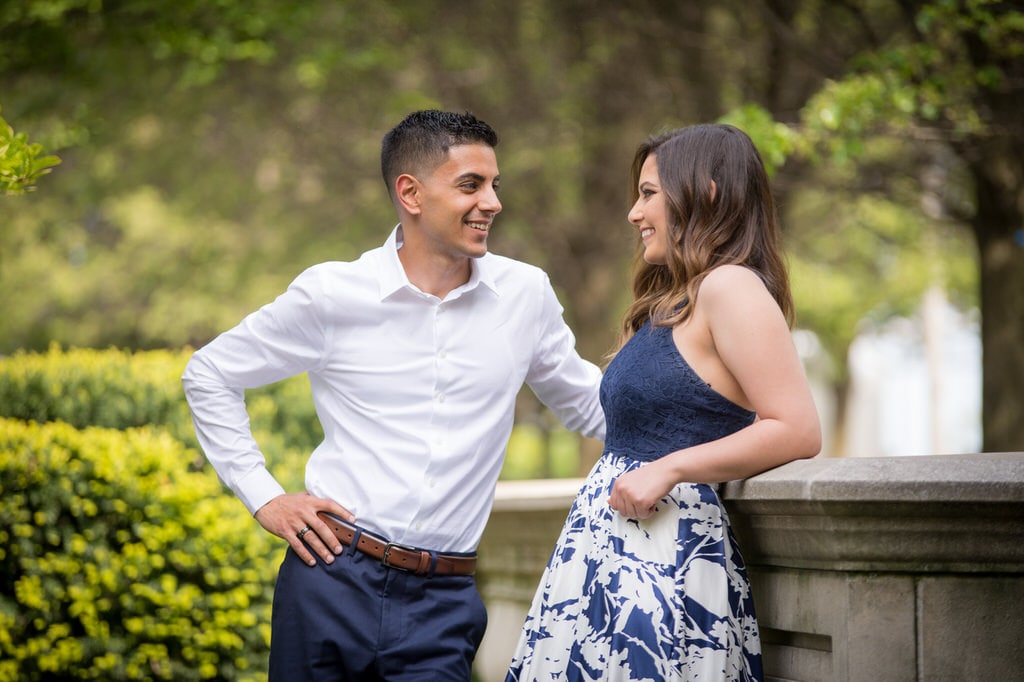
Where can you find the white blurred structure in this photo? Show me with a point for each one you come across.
(915, 385)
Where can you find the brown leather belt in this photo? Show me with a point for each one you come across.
(401, 557)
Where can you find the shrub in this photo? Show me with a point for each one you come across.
(118, 562)
(121, 389)
(110, 388)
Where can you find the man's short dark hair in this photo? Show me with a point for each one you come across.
(422, 140)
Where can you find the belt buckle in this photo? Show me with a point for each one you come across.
(385, 557)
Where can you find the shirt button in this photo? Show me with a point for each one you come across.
(440, 398)
(442, 354)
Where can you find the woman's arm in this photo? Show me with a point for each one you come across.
(752, 341)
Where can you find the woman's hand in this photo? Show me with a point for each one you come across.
(636, 493)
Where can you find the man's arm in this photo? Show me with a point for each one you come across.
(280, 340)
(566, 383)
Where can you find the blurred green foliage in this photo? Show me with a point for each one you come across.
(873, 259)
(120, 562)
(535, 453)
(121, 389)
(213, 150)
(210, 151)
(113, 389)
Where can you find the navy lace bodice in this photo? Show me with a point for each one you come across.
(655, 404)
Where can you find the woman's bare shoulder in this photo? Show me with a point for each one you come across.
(731, 280)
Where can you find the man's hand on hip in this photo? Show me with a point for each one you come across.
(293, 517)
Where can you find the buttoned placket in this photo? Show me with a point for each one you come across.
(440, 369)
(439, 420)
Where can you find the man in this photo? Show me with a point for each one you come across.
(415, 353)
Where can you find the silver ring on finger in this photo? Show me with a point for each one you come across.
(302, 532)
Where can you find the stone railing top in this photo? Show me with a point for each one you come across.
(985, 477)
(974, 478)
(923, 514)
(536, 494)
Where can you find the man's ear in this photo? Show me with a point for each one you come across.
(408, 192)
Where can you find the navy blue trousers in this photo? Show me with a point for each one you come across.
(356, 620)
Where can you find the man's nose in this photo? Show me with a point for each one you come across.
(490, 201)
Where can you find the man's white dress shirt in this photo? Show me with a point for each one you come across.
(415, 394)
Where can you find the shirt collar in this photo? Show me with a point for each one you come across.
(393, 277)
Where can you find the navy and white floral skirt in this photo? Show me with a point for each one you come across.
(666, 598)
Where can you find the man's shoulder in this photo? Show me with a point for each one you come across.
(365, 263)
(331, 280)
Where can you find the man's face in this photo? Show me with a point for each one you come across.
(459, 201)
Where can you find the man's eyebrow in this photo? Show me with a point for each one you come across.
(475, 176)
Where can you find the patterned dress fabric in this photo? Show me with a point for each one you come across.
(666, 598)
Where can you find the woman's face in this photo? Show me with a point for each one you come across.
(649, 214)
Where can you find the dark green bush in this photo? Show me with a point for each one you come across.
(84, 387)
(120, 389)
(118, 562)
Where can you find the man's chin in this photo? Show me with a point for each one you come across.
(477, 250)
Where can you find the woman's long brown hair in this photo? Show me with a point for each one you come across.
(736, 224)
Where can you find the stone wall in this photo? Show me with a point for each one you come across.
(904, 568)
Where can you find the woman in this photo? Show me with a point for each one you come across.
(646, 581)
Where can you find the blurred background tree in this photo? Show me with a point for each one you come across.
(212, 150)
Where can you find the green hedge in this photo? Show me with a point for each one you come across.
(118, 562)
(120, 389)
(109, 388)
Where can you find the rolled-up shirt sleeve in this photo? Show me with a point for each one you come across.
(281, 339)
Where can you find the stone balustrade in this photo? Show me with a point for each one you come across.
(863, 569)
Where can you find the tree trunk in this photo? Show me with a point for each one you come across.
(996, 161)
(999, 227)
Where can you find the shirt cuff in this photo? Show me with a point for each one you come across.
(257, 488)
